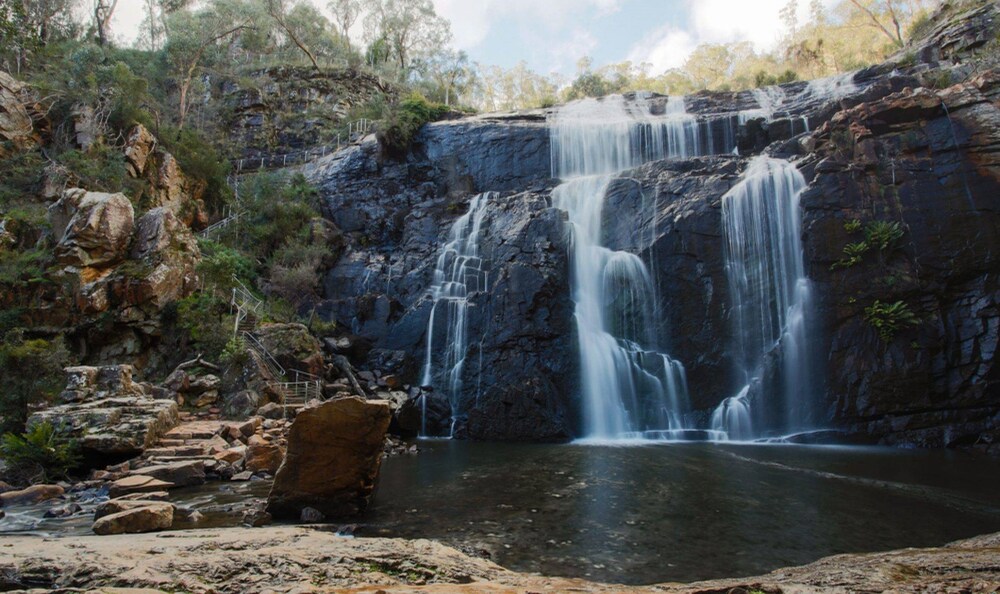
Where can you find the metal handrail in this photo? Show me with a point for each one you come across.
(221, 224)
(255, 345)
(246, 297)
(355, 131)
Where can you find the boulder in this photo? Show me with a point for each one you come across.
(263, 456)
(271, 410)
(148, 518)
(15, 122)
(333, 459)
(114, 506)
(232, 455)
(167, 254)
(294, 347)
(138, 147)
(33, 494)
(206, 399)
(93, 229)
(182, 474)
(174, 190)
(255, 518)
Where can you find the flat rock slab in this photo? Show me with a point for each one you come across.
(289, 559)
(137, 483)
(181, 474)
(33, 494)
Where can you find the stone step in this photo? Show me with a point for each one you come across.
(175, 451)
(189, 433)
(170, 459)
(171, 443)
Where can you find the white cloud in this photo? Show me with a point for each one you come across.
(563, 57)
(471, 22)
(716, 21)
(665, 48)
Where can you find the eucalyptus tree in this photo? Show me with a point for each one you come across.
(405, 30)
(193, 37)
(345, 14)
(292, 27)
(451, 73)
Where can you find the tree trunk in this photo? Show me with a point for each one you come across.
(877, 23)
(183, 104)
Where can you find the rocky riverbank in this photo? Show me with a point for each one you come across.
(297, 559)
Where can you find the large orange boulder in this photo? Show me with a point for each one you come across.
(333, 459)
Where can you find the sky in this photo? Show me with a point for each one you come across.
(551, 35)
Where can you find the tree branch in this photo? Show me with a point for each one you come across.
(877, 23)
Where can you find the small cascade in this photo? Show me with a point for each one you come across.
(458, 275)
(731, 420)
(771, 298)
(769, 100)
(832, 87)
(630, 387)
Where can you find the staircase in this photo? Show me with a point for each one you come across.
(295, 388)
(355, 132)
(230, 216)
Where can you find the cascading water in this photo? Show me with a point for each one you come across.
(630, 388)
(458, 274)
(771, 298)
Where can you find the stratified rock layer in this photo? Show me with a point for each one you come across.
(108, 413)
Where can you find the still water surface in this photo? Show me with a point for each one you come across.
(666, 512)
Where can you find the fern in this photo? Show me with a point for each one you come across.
(40, 455)
(889, 318)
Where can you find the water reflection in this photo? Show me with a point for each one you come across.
(682, 511)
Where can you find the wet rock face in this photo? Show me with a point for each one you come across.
(670, 211)
(489, 153)
(397, 215)
(333, 459)
(927, 161)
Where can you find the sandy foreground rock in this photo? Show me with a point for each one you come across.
(288, 558)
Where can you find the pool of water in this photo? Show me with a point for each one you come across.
(666, 512)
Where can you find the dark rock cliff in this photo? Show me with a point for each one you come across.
(912, 142)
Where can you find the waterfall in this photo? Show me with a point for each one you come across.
(458, 274)
(731, 420)
(770, 298)
(629, 387)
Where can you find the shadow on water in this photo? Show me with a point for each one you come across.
(682, 512)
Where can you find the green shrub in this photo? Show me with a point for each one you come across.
(889, 318)
(22, 176)
(20, 269)
(99, 169)
(221, 263)
(204, 317)
(234, 353)
(42, 455)
(398, 128)
(199, 160)
(21, 390)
